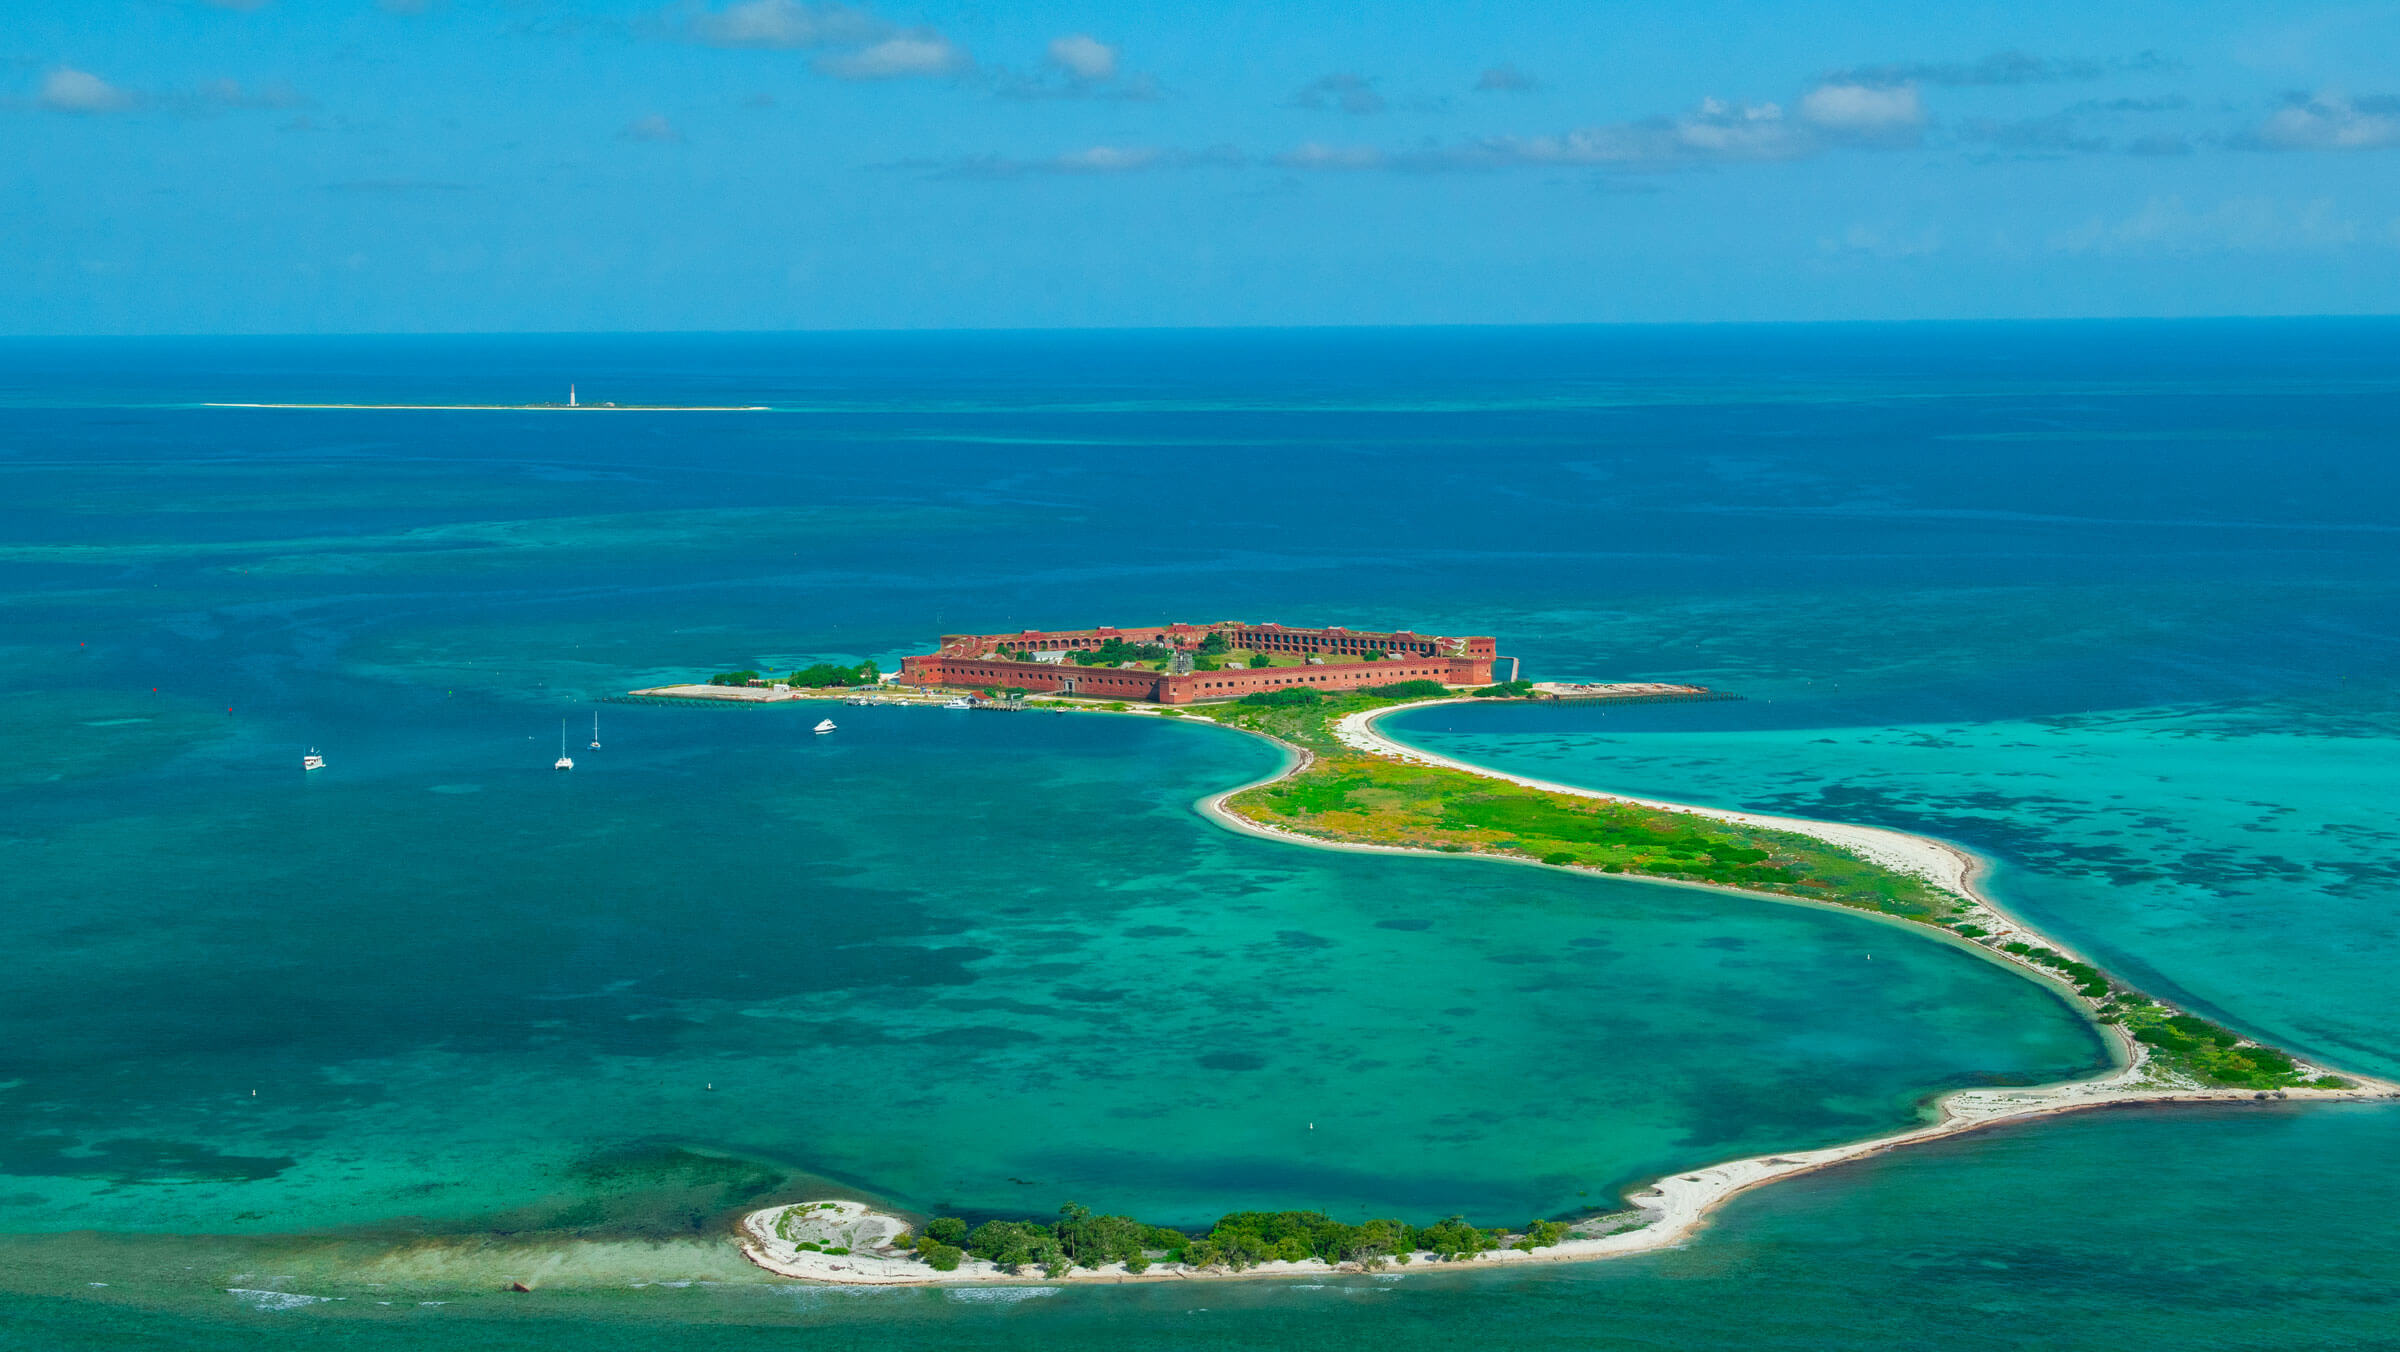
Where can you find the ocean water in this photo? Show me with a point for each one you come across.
(2113, 603)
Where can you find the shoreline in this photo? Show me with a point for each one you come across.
(1677, 1206)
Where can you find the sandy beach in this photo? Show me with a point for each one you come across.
(1674, 1207)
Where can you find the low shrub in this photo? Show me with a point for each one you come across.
(1291, 696)
(1541, 1235)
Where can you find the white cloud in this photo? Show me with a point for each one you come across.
(230, 94)
(1084, 57)
(1863, 240)
(1107, 159)
(1098, 161)
(1350, 93)
(1716, 132)
(1315, 155)
(654, 128)
(2002, 68)
(2329, 121)
(67, 90)
(1505, 78)
(919, 53)
(1879, 113)
(2236, 225)
(784, 24)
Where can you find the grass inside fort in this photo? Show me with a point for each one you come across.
(1346, 795)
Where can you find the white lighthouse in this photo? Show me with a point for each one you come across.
(570, 396)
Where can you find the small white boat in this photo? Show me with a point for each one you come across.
(824, 726)
(312, 761)
(595, 729)
(565, 762)
(962, 702)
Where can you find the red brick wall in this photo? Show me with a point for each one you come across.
(1237, 682)
(1041, 677)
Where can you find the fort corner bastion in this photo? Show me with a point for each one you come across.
(1192, 663)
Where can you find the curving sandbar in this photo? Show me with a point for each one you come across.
(1669, 1210)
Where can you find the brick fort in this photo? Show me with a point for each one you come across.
(1191, 663)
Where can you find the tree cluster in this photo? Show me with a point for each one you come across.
(1243, 1239)
(1079, 1239)
(1247, 1238)
(827, 674)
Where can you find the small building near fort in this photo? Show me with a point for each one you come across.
(1193, 663)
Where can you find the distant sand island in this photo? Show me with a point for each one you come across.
(1318, 693)
(572, 404)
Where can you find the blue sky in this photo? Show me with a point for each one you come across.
(491, 165)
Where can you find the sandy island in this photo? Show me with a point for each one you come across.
(1671, 1209)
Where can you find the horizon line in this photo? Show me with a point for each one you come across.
(1920, 322)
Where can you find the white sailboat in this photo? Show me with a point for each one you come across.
(824, 726)
(565, 762)
(312, 761)
(595, 729)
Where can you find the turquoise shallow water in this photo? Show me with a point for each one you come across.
(2114, 603)
(2100, 1232)
(986, 963)
(2238, 857)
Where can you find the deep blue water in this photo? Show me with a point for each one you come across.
(2113, 602)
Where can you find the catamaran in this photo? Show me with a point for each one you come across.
(824, 726)
(564, 761)
(595, 729)
(312, 761)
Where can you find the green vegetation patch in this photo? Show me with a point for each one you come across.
(824, 674)
(1345, 795)
(1242, 1239)
(2211, 1053)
